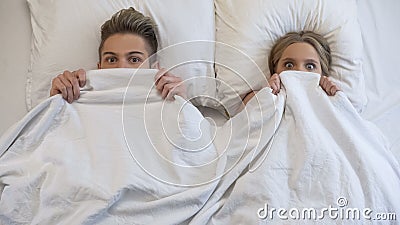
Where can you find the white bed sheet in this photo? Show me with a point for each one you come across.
(379, 28)
(380, 32)
(284, 151)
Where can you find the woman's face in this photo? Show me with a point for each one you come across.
(301, 57)
(123, 51)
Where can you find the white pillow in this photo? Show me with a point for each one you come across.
(249, 29)
(66, 36)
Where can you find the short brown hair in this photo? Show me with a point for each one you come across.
(132, 22)
(317, 41)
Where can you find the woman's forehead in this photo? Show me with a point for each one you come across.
(300, 50)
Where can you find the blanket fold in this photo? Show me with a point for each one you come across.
(122, 155)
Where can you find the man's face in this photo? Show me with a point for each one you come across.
(124, 51)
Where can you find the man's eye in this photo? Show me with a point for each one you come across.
(310, 66)
(111, 60)
(289, 65)
(134, 59)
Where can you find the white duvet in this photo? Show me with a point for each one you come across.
(122, 155)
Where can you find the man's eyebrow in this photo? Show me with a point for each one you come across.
(129, 53)
(135, 52)
(110, 53)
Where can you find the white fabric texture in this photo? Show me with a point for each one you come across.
(247, 30)
(75, 161)
(122, 155)
(66, 36)
(322, 153)
(379, 29)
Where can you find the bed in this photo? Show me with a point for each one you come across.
(56, 166)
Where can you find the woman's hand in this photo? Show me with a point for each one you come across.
(275, 83)
(68, 84)
(169, 85)
(328, 86)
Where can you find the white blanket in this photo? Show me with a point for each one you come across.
(122, 155)
(324, 165)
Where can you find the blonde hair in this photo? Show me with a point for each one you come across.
(319, 43)
(132, 22)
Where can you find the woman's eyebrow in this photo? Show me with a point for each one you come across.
(311, 60)
(287, 59)
(307, 60)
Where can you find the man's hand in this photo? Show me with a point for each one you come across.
(68, 84)
(169, 85)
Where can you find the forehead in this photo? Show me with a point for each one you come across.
(300, 50)
(124, 43)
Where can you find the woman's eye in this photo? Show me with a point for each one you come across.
(111, 60)
(289, 65)
(310, 66)
(135, 60)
